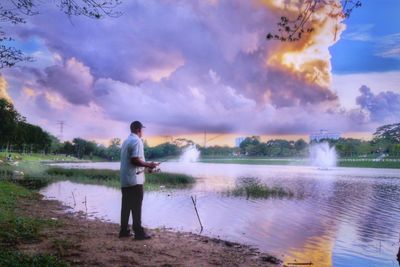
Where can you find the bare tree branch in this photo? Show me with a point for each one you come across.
(94, 9)
(293, 30)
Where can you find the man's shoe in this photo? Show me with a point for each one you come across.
(123, 234)
(142, 236)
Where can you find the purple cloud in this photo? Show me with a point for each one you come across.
(72, 80)
(383, 107)
(182, 66)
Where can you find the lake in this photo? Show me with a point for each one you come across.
(339, 217)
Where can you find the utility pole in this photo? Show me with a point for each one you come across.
(61, 134)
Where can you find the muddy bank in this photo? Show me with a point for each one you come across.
(82, 242)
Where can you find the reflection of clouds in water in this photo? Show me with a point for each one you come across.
(344, 214)
(384, 199)
(317, 250)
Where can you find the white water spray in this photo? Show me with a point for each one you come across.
(190, 154)
(323, 156)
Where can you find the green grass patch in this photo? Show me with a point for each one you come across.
(37, 176)
(357, 163)
(15, 229)
(36, 157)
(253, 188)
(17, 259)
(370, 164)
(166, 178)
(89, 173)
(111, 177)
(9, 194)
(34, 176)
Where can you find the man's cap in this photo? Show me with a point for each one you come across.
(137, 125)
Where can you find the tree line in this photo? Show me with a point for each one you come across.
(18, 135)
(386, 140)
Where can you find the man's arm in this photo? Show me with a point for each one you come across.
(140, 163)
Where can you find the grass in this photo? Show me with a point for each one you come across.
(111, 177)
(12, 258)
(34, 174)
(16, 229)
(37, 175)
(36, 157)
(370, 164)
(253, 188)
(301, 162)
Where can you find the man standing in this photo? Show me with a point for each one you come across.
(132, 169)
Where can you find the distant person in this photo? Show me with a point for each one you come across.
(132, 178)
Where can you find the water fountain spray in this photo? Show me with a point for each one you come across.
(323, 156)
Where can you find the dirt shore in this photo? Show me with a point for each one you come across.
(83, 242)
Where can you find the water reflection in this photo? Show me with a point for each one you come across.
(345, 216)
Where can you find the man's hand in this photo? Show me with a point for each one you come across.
(153, 165)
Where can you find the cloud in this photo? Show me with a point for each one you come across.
(389, 46)
(359, 33)
(153, 39)
(346, 85)
(72, 80)
(4, 90)
(182, 67)
(383, 107)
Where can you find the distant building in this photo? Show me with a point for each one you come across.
(239, 140)
(323, 134)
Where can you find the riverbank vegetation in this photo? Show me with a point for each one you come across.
(111, 177)
(17, 229)
(254, 188)
(30, 142)
(37, 232)
(343, 162)
(36, 175)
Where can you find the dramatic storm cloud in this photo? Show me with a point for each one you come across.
(181, 67)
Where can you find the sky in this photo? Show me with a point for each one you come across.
(184, 67)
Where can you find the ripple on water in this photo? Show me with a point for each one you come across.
(340, 217)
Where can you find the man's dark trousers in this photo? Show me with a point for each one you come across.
(132, 198)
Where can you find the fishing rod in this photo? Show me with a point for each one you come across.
(156, 169)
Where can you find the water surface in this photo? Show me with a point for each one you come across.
(340, 217)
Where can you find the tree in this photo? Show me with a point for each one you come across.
(32, 136)
(55, 145)
(9, 119)
(293, 29)
(79, 147)
(15, 11)
(114, 150)
(300, 145)
(14, 130)
(68, 148)
(162, 151)
(389, 133)
(254, 140)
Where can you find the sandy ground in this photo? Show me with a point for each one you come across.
(83, 242)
